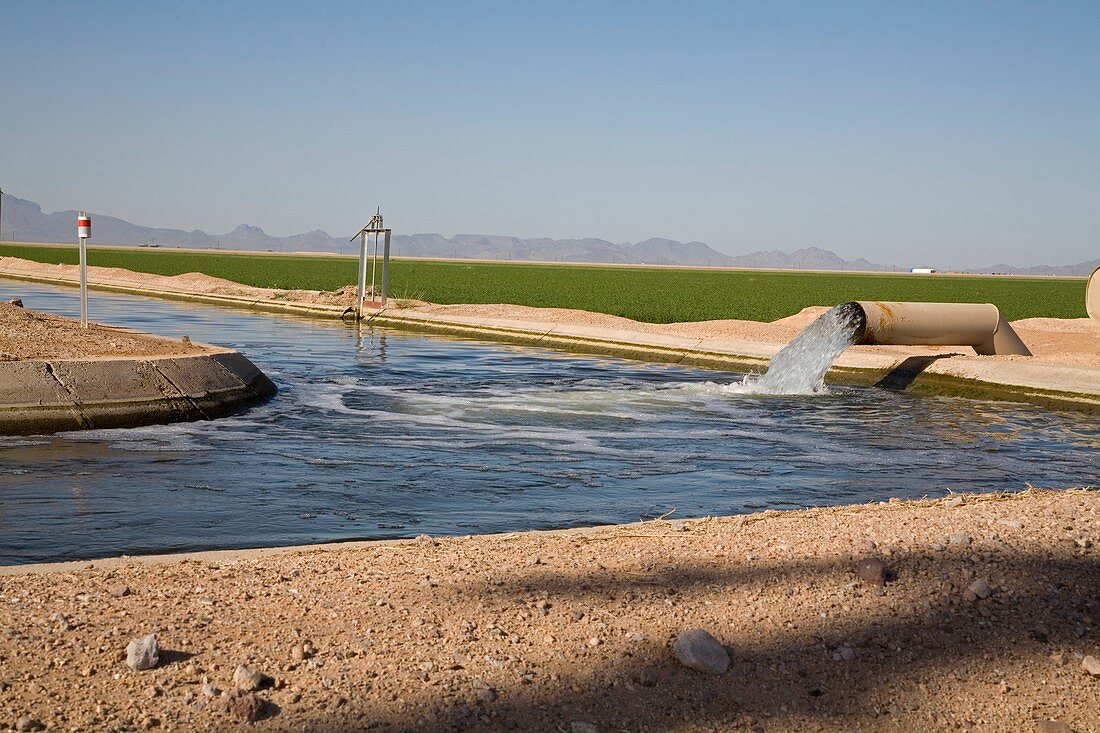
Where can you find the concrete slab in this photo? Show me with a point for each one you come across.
(29, 384)
(42, 397)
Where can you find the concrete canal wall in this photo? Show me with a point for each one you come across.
(45, 396)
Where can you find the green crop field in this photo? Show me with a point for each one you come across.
(654, 295)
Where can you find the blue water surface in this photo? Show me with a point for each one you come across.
(379, 433)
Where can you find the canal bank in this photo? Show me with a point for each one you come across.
(984, 621)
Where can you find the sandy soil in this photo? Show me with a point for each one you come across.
(551, 631)
(780, 331)
(191, 282)
(26, 334)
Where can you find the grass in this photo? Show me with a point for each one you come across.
(644, 294)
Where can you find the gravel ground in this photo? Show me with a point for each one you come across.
(986, 623)
(27, 334)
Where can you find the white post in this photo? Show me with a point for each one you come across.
(84, 282)
(362, 274)
(386, 269)
(83, 232)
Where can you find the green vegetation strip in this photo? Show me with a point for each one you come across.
(653, 295)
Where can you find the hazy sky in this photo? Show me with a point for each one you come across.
(950, 134)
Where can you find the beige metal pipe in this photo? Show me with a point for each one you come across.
(1092, 296)
(980, 325)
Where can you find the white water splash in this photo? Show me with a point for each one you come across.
(801, 366)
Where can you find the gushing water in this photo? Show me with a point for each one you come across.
(800, 367)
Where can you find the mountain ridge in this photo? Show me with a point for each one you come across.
(27, 220)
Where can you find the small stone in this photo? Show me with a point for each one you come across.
(298, 653)
(698, 650)
(595, 641)
(846, 652)
(142, 653)
(208, 690)
(17, 302)
(27, 723)
(953, 502)
(484, 691)
(1053, 726)
(978, 590)
(533, 560)
(1091, 665)
(149, 723)
(247, 706)
(635, 636)
(247, 679)
(872, 570)
(576, 614)
(119, 591)
(582, 726)
(62, 621)
(961, 539)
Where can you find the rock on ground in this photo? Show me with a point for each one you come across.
(697, 649)
(142, 652)
(872, 570)
(249, 680)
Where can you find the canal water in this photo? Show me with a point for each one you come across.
(377, 433)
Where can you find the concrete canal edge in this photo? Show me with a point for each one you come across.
(47, 396)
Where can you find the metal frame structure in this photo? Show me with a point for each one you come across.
(375, 227)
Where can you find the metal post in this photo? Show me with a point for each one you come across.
(83, 232)
(373, 269)
(84, 282)
(362, 274)
(386, 269)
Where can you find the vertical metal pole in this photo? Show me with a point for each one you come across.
(362, 274)
(84, 282)
(373, 269)
(386, 269)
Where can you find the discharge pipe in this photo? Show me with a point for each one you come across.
(980, 325)
(1092, 296)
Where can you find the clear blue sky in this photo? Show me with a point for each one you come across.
(950, 134)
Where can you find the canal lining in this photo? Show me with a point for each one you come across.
(55, 395)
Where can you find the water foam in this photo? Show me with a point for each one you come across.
(800, 367)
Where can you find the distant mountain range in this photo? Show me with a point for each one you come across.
(1081, 269)
(26, 222)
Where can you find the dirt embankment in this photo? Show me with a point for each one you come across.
(27, 334)
(986, 624)
(1054, 342)
(195, 283)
